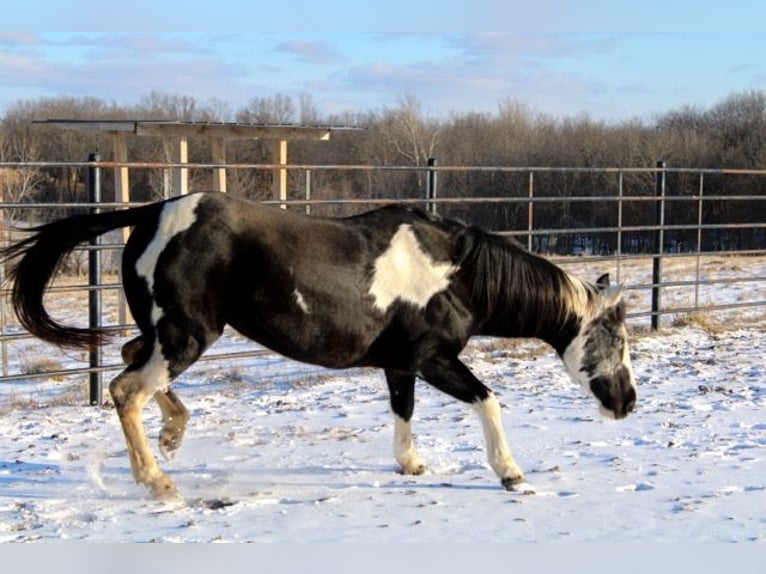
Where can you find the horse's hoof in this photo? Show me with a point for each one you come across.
(163, 489)
(412, 466)
(514, 483)
(169, 443)
(414, 470)
(522, 488)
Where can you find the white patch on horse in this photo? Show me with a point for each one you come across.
(404, 448)
(573, 359)
(155, 373)
(406, 272)
(301, 302)
(176, 216)
(586, 308)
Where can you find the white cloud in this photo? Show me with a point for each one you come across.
(14, 39)
(560, 74)
(310, 52)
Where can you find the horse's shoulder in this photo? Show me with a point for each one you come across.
(395, 215)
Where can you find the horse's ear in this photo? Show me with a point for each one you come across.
(603, 280)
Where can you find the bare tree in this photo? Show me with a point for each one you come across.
(309, 112)
(413, 138)
(19, 143)
(278, 109)
(740, 122)
(729, 134)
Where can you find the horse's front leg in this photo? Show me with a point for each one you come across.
(454, 378)
(129, 393)
(174, 419)
(401, 387)
(499, 455)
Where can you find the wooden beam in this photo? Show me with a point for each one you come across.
(231, 131)
(128, 126)
(228, 130)
(279, 181)
(218, 152)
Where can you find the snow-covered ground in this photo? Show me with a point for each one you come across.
(303, 454)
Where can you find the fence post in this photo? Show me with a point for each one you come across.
(431, 185)
(531, 209)
(620, 207)
(94, 280)
(659, 239)
(699, 243)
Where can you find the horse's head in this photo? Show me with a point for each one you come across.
(598, 357)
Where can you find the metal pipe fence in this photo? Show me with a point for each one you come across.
(657, 228)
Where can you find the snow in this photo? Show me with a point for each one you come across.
(280, 452)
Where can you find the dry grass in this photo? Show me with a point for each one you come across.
(509, 348)
(36, 397)
(41, 365)
(700, 320)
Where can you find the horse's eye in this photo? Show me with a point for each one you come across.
(617, 341)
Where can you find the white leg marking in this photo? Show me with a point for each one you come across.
(156, 372)
(498, 453)
(301, 302)
(131, 390)
(404, 448)
(176, 216)
(404, 271)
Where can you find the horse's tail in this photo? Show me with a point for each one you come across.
(41, 255)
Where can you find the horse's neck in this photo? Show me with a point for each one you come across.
(540, 301)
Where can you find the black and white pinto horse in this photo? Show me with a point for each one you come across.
(393, 288)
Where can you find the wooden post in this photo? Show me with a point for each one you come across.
(181, 174)
(178, 151)
(121, 177)
(279, 183)
(218, 149)
(167, 178)
(121, 195)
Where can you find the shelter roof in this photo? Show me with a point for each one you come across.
(226, 130)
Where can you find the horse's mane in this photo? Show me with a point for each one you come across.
(511, 281)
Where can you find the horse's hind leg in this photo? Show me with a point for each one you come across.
(174, 419)
(130, 391)
(454, 378)
(401, 387)
(174, 413)
(131, 349)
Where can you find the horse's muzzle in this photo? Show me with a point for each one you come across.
(623, 410)
(617, 394)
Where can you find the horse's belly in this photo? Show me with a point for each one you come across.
(337, 340)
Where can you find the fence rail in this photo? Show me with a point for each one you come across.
(657, 233)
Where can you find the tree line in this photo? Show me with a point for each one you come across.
(730, 134)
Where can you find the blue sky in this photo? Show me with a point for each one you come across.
(567, 66)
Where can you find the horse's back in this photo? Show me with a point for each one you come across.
(320, 290)
(301, 285)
